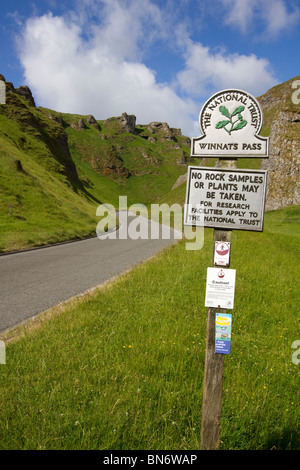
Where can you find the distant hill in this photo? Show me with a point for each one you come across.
(55, 169)
(143, 161)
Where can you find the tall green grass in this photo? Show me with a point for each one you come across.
(123, 367)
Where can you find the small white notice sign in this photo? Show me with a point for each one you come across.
(220, 285)
(222, 254)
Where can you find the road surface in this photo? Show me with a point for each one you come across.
(36, 280)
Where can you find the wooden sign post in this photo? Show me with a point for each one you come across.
(225, 199)
(214, 363)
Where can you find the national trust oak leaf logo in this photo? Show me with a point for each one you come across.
(230, 124)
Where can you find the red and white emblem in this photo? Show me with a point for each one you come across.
(222, 248)
(222, 254)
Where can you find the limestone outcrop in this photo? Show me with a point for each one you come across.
(282, 123)
(284, 161)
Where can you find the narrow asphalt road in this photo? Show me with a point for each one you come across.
(36, 280)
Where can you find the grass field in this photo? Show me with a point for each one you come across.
(123, 367)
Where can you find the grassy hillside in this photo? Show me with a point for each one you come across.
(134, 165)
(53, 176)
(42, 200)
(123, 367)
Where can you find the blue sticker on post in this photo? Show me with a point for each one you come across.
(223, 333)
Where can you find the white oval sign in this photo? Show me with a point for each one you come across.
(230, 122)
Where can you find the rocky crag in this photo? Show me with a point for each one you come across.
(20, 108)
(282, 124)
(122, 148)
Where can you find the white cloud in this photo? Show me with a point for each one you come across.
(90, 61)
(211, 71)
(276, 16)
(239, 13)
(122, 25)
(70, 74)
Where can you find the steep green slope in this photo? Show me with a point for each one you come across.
(54, 172)
(42, 200)
(143, 164)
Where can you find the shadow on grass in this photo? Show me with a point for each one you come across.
(286, 439)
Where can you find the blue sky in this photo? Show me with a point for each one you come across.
(160, 60)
